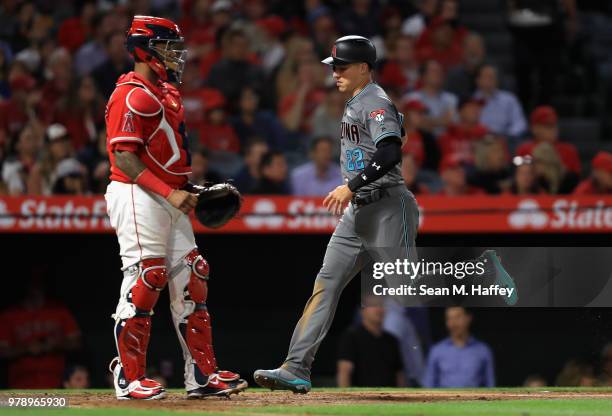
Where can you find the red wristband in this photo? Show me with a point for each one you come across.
(149, 181)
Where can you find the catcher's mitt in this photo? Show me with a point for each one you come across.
(217, 204)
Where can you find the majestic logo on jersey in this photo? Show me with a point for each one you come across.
(128, 123)
(350, 132)
(378, 115)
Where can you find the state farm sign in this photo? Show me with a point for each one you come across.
(303, 215)
(564, 214)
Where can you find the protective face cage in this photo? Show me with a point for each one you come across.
(173, 54)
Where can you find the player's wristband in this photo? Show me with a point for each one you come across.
(149, 181)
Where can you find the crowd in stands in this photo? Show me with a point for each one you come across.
(391, 346)
(262, 110)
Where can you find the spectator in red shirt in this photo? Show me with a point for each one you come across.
(60, 77)
(454, 180)
(298, 49)
(195, 99)
(414, 144)
(459, 139)
(21, 108)
(199, 28)
(544, 128)
(35, 337)
(420, 143)
(74, 31)
(600, 181)
(443, 39)
(81, 111)
(401, 72)
(409, 173)
(217, 133)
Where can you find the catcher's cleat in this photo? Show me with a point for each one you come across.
(141, 389)
(226, 376)
(217, 387)
(281, 379)
(502, 277)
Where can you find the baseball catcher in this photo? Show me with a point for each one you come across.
(148, 200)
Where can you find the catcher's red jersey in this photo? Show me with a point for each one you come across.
(148, 120)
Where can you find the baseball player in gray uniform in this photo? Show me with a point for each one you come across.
(381, 219)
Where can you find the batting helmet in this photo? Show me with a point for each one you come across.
(352, 49)
(160, 43)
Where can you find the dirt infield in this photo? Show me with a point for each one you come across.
(178, 401)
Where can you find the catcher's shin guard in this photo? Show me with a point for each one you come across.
(139, 293)
(189, 291)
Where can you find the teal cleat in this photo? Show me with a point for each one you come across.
(281, 379)
(502, 277)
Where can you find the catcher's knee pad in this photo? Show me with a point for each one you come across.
(152, 279)
(133, 319)
(199, 269)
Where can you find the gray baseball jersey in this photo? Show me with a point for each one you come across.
(368, 117)
(381, 231)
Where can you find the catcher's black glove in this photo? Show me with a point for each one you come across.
(217, 204)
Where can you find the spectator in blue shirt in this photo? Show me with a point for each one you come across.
(459, 360)
(502, 112)
(320, 176)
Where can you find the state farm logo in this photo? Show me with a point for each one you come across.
(7, 220)
(528, 214)
(59, 215)
(564, 214)
(263, 215)
(301, 214)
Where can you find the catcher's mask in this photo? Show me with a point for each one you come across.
(159, 43)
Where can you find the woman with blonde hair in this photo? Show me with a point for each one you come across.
(551, 172)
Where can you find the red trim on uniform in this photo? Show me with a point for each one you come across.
(136, 224)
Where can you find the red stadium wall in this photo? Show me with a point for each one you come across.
(306, 215)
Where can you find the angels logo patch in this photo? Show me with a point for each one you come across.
(128, 123)
(378, 115)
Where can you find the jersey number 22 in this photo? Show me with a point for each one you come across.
(354, 160)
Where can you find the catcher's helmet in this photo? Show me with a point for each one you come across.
(352, 49)
(160, 43)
